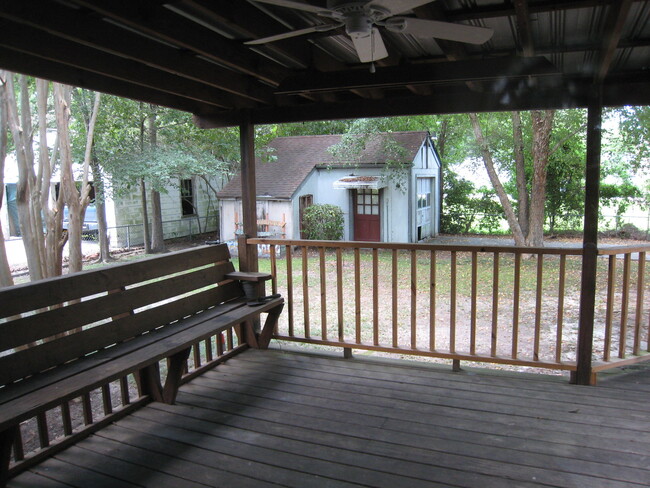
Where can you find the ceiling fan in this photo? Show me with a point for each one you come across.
(360, 19)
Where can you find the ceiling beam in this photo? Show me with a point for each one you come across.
(152, 19)
(507, 9)
(524, 35)
(438, 73)
(561, 95)
(247, 22)
(20, 62)
(91, 31)
(614, 24)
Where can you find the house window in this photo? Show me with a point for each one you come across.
(367, 202)
(424, 208)
(187, 197)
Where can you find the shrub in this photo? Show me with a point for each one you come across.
(323, 222)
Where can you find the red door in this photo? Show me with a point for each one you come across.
(366, 215)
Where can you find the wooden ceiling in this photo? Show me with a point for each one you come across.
(191, 55)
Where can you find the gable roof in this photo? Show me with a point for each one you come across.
(297, 156)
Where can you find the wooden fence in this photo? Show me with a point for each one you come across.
(506, 305)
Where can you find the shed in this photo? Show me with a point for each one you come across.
(376, 207)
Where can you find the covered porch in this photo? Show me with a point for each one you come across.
(294, 419)
(279, 417)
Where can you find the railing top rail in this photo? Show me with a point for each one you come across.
(570, 251)
(623, 249)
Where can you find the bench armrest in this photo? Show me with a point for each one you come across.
(251, 276)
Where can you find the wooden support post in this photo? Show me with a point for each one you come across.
(248, 253)
(347, 352)
(584, 374)
(174, 375)
(455, 365)
(148, 380)
(6, 441)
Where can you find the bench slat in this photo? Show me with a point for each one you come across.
(64, 349)
(69, 317)
(34, 296)
(55, 375)
(148, 350)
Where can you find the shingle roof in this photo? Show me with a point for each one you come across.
(296, 157)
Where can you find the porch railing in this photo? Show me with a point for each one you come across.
(505, 305)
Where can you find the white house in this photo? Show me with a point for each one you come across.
(184, 204)
(375, 209)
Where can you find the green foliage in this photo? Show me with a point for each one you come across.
(323, 222)
(397, 162)
(468, 209)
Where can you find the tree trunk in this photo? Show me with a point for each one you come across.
(71, 195)
(542, 125)
(145, 217)
(100, 205)
(157, 237)
(496, 183)
(520, 173)
(22, 137)
(5, 272)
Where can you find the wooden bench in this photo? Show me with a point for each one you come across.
(66, 338)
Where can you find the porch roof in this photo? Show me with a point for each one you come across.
(191, 55)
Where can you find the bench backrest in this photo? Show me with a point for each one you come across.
(54, 321)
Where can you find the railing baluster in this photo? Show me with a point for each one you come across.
(515, 306)
(305, 291)
(414, 295)
(339, 292)
(43, 431)
(625, 303)
(452, 305)
(87, 408)
(220, 344)
(274, 270)
(289, 290)
(66, 418)
(196, 350)
(357, 295)
(473, 301)
(495, 305)
(609, 311)
(560, 308)
(432, 300)
(375, 297)
(638, 316)
(208, 350)
(124, 390)
(229, 339)
(538, 305)
(394, 276)
(323, 293)
(106, 399)
(19, 450)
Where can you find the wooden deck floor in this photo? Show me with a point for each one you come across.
(268, 418)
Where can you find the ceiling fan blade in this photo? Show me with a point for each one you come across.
(370, 48)
(296, 5)
(295, 33)
(439, 30)
(396, 7)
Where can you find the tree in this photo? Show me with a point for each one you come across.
(5, 273)
(76, 199)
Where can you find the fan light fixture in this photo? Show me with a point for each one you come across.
(361, 20)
